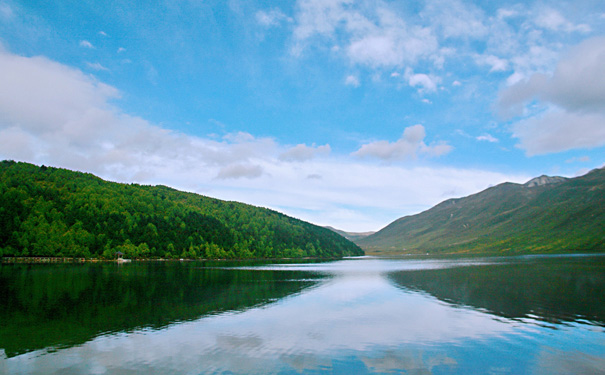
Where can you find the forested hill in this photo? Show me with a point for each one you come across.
(547, 214)
(48, 211)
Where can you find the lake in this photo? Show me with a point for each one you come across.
(517, 315)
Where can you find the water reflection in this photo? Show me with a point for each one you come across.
(361, 316)
(550, 289)
(61, 305)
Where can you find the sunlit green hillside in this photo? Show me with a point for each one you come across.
(543, 215)
(56, 212)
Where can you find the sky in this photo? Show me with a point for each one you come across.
(340, 112)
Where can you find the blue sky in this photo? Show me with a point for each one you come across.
(340, 112)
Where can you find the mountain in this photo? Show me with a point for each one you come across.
(546, 214)
(544, 180)
(48, 211)
(352, 236)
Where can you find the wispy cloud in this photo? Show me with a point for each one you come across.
(495, 63)
(86, 44)
(352, 80)
(96, 66)
(303, 152)
(409, 146)
(271, 18)
(551, 19)
(456, 19)
(6, 12)
(379, 38)
(487, 138)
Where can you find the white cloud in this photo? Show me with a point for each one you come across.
(518, 35)
(487, 138)
(577, 84)
(455, 18)
(381, 36)
(96, 66)
(503, 13)
(86, 44)
(303, 152)
(352, 80)
(409, 146)
(551, 19)
(557, 131)
(102, 33)
(425, 83)
(60, 116)
(240, 171)
(370, 33)
(497, 64)
(121, 49)
(6, 12)
(574, 95)
(271, 18)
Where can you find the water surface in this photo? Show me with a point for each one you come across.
(534, 315)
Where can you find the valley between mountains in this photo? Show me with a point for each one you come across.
(53, 212)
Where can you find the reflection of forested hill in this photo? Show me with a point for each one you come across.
(560, 289)
(56, 212)
(64, 305)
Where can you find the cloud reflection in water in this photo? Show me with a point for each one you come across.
(356, 320)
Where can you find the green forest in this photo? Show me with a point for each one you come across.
(53, 212)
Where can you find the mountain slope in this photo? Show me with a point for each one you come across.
(544, 215)
(352, 236)
(56, 212)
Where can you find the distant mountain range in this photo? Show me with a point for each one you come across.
(546, 214)
(351, 236)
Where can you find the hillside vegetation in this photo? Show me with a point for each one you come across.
(544, 215)
(56, 212)
(353, 236)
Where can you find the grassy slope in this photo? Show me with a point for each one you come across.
(508, 218)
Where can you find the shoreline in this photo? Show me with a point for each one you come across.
(53, 260)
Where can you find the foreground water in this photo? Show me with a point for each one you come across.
(522, 315)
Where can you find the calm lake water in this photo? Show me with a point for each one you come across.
(521, 315)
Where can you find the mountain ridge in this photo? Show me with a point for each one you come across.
(546, 214)
(544, 180)
(351, 236)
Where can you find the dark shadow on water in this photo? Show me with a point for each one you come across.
(62, 305)
(558, 290)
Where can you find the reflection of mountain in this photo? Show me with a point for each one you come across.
(553, 290)
(64, 305)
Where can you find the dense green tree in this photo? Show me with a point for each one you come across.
(47, 211)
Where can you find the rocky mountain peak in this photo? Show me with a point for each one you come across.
(544, 180)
